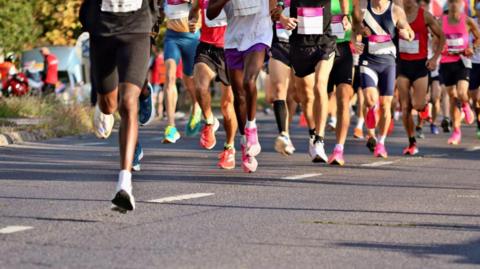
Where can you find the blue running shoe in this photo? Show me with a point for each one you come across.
(146, 112)
(171, 135)
(434, 129)
(137, 157)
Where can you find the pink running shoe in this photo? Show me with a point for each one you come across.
(253, 147)
(469, 117)
(371, 119)
(456, 137)
(380, 151)
(249, 164)
(336, 158)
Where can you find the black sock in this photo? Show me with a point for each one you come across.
(318, 138)
(412, 140)
(280, 109)
(311, 132)
(459, 104)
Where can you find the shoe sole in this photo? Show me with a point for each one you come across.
(281, 148)
(336, 162)
(168, 141)
(226, 167)
(319, 159)
(124, 201)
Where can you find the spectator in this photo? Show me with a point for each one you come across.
(50, 71)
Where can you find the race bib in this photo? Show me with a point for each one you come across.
(282, 33)
(380, 44)
(177, 9)
(219, 21)
(118, 6)
(310, 20)
(455, 43)
(245, 7)
(409, 47)
(337, 26)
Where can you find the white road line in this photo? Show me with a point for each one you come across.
(14, 229)
(376, 164)
(180, 198)
(468, 196)
(474, 148)
(301, 176)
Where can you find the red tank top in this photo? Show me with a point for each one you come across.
(212, 31)
(418, 48)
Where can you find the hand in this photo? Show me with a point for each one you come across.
(276, 13)
(347, 25)
(288, 23)
(407, 34)
(431, 64)
(365, 31)
(359, 47)
(192, 26)
(468, 52)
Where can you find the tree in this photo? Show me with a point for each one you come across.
(18, 29)
(59, 21)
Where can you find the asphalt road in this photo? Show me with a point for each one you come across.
(403, 212)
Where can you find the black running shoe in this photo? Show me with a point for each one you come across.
(446, 125)
(371, 143)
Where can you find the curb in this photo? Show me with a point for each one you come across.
(20, 137)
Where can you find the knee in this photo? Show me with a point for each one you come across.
(249, 83)
(128, 105)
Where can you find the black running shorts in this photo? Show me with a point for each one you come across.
(413, 70)
(342, 71)
(214, 58)
(452, 73)
(281, 52)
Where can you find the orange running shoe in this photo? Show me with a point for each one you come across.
(227, 159)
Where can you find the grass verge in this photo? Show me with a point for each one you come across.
(58, 119)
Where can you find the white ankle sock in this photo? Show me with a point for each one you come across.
(360, 122)
(381, 139)
(339, 147)
(124, 181)
(251, 124)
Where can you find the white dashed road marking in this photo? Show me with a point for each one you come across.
(180, 198)
(14, 229)
(301, 176)
(376, 164)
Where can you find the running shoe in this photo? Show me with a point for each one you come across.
(380, 151)
(411, 150)
(371, 118)
(467, 110)
(283, 145)
(425, 114)
(137, 157)
(446, 125)
(317, 152)
(371, 143)
(434, 129)
(207, 135)
(102, 124)
(194, 124)
(146, 112)
(336, 158)
(419, 131)
(123, 200)
(227, 159)
(253, 146)
(456, 137)
(358, 133)
(171, 135)
(332, 124)
(249, 163)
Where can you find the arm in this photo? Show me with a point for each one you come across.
(345, 7)
(357, 18)
(438, 37)
(475, 31)
(215, 7)
(400, 20)
(193, 16)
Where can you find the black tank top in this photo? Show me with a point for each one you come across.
(315, 39)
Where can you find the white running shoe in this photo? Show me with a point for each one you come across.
(124, 200)
(283, 145)
(317, 152)
(102, 124)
